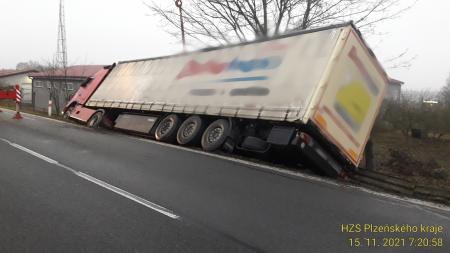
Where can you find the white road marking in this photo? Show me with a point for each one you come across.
(285, 172)
(31, 152)
(131, 196)
(99, 182)
(434, 213)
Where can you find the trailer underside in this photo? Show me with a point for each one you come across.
(285, 142)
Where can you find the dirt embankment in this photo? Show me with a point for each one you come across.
(424, 161)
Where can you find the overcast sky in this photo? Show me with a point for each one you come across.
(107, 31)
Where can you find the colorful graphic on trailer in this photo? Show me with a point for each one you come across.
(195, 68)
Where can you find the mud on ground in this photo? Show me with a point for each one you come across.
(424, 161)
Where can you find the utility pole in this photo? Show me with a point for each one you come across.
(179, 4)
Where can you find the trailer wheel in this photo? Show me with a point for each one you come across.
(215, 135)
(190, 131)
(95, 119)
(167, 128)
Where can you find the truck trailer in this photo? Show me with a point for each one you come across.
(315, 92)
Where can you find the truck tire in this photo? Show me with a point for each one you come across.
(167, 128)
(190, 131)
(95, 120)
(215, 135)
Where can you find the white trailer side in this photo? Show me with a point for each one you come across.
(326, 77)
(272, 80)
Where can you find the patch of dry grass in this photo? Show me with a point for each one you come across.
(425, 160)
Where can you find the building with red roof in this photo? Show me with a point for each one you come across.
(59, 85)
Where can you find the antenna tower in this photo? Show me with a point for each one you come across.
(61, 50)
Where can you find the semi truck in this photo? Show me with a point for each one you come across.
(315, 93)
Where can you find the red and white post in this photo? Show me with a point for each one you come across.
(50, 105)
(18, 102)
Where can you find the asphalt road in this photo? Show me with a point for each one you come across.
(66, 188)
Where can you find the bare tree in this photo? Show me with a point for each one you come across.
(445, 94)
(401, 60)
(57, 83)
(28, 65)
(411, 112)
(227, 21)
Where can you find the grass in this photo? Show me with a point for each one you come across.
(26, 109)
(425, 161)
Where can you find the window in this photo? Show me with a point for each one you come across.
(38, 84)
(69, 86)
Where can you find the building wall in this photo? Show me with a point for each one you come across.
(394, 92)
(41, 93)
(25, 83)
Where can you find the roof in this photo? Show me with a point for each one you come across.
(262, 39)
(72, 72)
(286, 35)
(393, 81)
(13, 72)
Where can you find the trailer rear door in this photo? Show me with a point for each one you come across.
(352, 98)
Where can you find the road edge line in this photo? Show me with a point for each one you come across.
(289, 173)
(117, 190)
(278, 170)
(129, 195)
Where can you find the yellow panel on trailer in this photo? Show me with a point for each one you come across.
(354, 90)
